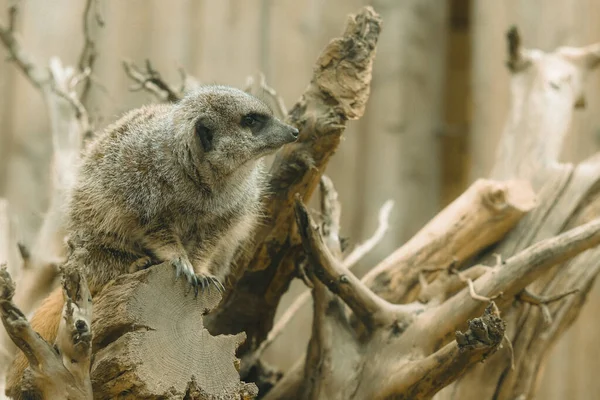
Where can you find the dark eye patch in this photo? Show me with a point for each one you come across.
(253, 120)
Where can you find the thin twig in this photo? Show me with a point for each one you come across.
(469, 282)
(361, 250)
(512, 351)
(36, 75)
(89, 52)
(518, 59)
(151, 81)
(543, 301)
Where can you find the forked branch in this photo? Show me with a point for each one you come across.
(366, 305)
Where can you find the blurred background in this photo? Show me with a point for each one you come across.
(438, 103)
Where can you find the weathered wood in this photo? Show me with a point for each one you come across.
(479, 217)
(147, 323)
(404, 346)
(338, 92)
(546, 87)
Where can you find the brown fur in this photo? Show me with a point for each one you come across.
(178, 183)
(45, 321)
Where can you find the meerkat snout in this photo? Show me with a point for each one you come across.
(294, 132)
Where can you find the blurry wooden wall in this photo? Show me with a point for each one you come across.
(439, 100)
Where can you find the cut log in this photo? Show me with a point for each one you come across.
(150, 342)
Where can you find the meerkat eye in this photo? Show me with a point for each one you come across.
(251, 120)
(205, 135)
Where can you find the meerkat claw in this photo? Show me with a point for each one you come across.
(218, 284)
(182, 268)
(196, 288)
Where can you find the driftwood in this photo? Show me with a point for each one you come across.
(546, 88)
(491, 278)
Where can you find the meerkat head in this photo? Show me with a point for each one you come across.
(225, 128)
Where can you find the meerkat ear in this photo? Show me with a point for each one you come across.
(205, 134)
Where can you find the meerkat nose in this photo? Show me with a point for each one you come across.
(294, 132)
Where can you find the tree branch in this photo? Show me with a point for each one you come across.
(479, 217)
(518, 58)
(338, 92)
(366, 305)
(328, 312)
(259, 87)
(423, 378)
(151, 81)
(348, 262)
(60, 373)
(88, 55)
(38, 76)
(510, 278)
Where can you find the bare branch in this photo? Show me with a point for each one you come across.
(366, 305)
(361, 250)
(151, 81)
(423, 378)
(89, 52)
(38, 76)
(328, 314)
(64, 372)
(447, 284)
(512, 277)
(348, 262)
(543, 301)
(479, 217)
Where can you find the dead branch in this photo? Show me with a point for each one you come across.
(338, 92)
(543, 301)
(61, 371)
(151, 81)
(364, 248)
(366, 305)
(543, 100)
(448, 284)
(479, 217)
(70, 124)
(562, 71)
(518, 58)
(348, 262)
(509, 279)
(423, 378)
(328, 312)
(38, 76)
(89, 53)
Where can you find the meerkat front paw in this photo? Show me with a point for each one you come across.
(140, 264)
(196, 280)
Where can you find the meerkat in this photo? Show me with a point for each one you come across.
(178, 183)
